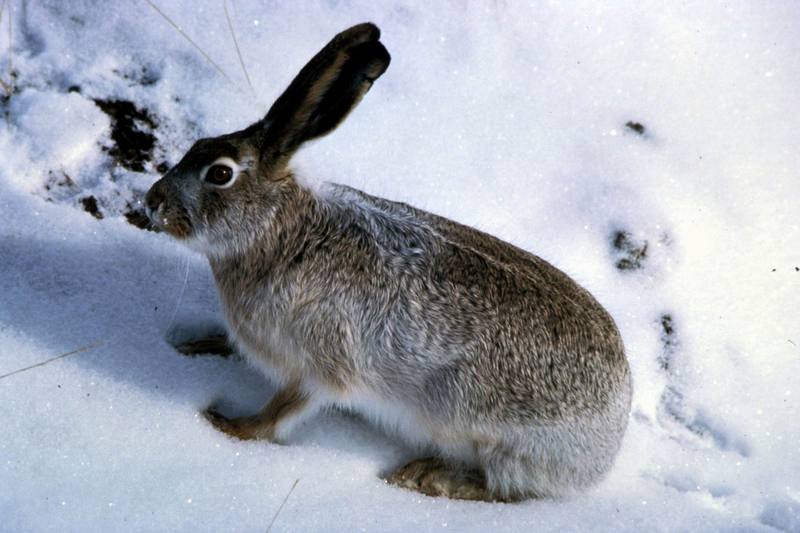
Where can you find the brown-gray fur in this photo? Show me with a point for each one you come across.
(469, 348)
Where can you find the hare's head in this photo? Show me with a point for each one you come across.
(224, 187)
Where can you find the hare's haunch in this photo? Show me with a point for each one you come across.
(509, 377)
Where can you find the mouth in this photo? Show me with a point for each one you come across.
(174, 222)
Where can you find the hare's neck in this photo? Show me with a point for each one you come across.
(279, 234)
(254, 286)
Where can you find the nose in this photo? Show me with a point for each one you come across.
(154, 198)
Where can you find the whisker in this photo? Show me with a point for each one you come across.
(180, 295)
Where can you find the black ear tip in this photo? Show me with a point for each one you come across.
(366, 31)
(371, 59)
(383, 57)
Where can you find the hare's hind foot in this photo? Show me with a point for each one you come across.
(213, 345)
(434, 477)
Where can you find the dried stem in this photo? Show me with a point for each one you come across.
(185, 36)
(7, 86)
(296, 481)
(56, 358)
(236, 44)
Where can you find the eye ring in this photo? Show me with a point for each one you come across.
(222, 173)
(218, 175)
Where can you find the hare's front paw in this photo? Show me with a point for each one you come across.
(240, 428)
(433, 477)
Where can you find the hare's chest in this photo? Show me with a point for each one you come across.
(257, 321)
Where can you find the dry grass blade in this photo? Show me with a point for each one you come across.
(10, 49)
(185, 36)
(2, 10)
(6, 86)
(56, 358)
(296, 481)
(236, 44)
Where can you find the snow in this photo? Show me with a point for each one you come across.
(508, 117)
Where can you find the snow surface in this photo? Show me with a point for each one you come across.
(508, 117)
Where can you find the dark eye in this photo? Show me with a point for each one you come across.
(219, 174)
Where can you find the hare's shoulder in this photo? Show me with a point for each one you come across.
(399, 218)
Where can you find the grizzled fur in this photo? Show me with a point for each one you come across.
(486, 356)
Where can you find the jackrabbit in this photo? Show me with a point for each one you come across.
(509, 376)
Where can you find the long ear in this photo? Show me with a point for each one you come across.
(325, 90)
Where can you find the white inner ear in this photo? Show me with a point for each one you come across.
(228, 162)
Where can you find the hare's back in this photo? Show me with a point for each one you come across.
(460, 243)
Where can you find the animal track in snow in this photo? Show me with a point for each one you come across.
(697, 426)
(783, 515)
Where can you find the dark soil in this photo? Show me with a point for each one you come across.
(636, 127)
(131, 131)
(138, 218)
(89, 204)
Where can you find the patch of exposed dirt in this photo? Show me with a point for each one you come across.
(636, 127)
(131, 131)
(89, 204)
